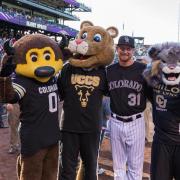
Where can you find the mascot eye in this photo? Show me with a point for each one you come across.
(84, 35)
(163, 61)
(47, 56)
(97, 37)
(34, 57)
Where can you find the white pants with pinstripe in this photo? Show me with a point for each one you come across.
(127, 143)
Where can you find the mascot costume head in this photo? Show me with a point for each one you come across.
(165, 65)
(93, 46)
(33, 56)
(36, 56)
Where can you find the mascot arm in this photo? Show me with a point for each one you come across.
(8, 65)
(62, 80)
(148, 92)
(7, 93)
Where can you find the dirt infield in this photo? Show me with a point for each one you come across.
(8, 161)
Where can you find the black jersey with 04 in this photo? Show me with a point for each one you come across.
(166, 114)
(39, 114)
(127, 89)
(82, 91)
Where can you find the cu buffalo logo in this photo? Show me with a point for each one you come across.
(84, 92)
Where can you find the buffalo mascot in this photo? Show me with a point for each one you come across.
(35, 60)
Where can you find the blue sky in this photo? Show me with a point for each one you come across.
(156, 20)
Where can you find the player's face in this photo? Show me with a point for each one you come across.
(125, 53)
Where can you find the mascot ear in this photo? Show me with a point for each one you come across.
(153, 53)
(85, 24)
(113, 31)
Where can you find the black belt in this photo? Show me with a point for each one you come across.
(130, 119)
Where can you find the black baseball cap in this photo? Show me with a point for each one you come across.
(126, 40)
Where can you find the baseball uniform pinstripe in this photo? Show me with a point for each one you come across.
(128, 101)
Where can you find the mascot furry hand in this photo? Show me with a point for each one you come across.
(35, 59)
(94, 46)
(165, 65)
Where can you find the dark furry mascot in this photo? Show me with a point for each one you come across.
(163, 76)
(83, 84)
(36, 59)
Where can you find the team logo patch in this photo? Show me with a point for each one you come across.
(126, 39)
(84, 86)
(84, 92)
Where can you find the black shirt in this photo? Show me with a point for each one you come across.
(39, 114)
(166, 114)
(82, 91)
(127, 89)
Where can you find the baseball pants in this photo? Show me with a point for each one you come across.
(127, 143)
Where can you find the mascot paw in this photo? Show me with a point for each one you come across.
(9, 50)
(8, 67)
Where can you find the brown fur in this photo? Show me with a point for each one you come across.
(36, 41)
(6, 89)
(155, 68)
(30, 167)
(100, 53)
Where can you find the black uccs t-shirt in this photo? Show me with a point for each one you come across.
(39, 113)
(82, 91)
(166, 114)
(127, 89)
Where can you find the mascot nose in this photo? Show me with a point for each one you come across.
(78, 41)
(45, 71)
(171, 66)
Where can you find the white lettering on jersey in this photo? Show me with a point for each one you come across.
(52, 102)
(161, 102)
(134, 99)
(48, 89)
(125, 84)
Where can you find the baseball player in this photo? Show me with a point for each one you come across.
(127, 89)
